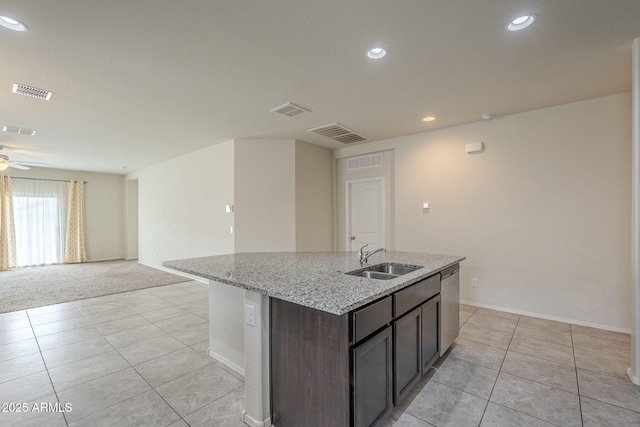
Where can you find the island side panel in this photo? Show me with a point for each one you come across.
(226, 325)
(309, 366)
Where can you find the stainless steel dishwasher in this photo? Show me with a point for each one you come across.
(449, 306)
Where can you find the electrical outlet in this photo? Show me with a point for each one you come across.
(250, 314)
(474, 282)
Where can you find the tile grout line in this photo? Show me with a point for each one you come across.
(101, 334)
(130, 366)
(46, 368)
(499, 370)
(146, 381)
(576, 373)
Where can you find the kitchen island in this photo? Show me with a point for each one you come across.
(296, 314)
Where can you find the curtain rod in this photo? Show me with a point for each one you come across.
(42, 179)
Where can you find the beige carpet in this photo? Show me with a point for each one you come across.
(30, 287)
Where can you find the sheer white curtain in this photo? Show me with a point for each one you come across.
(40, 221)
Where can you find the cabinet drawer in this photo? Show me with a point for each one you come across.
(414, 295)
(370, 318)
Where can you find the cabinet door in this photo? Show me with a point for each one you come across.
(373, 379)
(430, 332)
(407, 353)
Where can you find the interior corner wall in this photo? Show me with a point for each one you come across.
(131, 218)
(181, 206)
(264, 188)
(313, 198)
(104, 209)
(543, 215)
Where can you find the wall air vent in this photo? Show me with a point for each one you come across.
(32, 92)
(365, 162)
(338, 133)
(291, 110)
(21, 131)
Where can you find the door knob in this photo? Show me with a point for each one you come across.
(353, 237)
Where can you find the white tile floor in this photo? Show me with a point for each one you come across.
(139, 359)
(131, 359)
(508, 370)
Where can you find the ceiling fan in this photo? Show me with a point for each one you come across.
(6, 163)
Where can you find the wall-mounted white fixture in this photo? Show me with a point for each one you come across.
(474, 147)
(229, 208)
(425, 207)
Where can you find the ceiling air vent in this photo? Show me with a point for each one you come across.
(21, 131)
(291, 110)
(365, 162)
(339, 133)
(32, 92)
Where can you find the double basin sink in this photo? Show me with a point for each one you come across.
(384, 271)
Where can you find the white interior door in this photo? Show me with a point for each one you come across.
(365, 214)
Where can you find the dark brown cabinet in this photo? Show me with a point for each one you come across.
(351, 370)
(416, 333)
(373, 379)
(407, 352)
(430, 336)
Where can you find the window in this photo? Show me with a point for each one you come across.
(39, 215)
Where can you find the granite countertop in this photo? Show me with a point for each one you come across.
(312, 279)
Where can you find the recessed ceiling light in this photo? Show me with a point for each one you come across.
(12, 24)
(376, 53)
(428, 119)
(521, 22)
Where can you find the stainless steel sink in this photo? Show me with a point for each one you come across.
(384, 271)
(375, 275)
(396, 269)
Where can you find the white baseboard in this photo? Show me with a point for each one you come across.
(633, 378)
(544, 316)
(253, 422)
(106, 259)
(225, 361)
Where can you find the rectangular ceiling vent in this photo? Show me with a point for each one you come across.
(21, 131)
(365, 162)
(291, 110)
(32, 92)
(338, 133)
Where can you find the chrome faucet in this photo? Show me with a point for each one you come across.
(364, 256)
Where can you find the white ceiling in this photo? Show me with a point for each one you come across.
(139, 82)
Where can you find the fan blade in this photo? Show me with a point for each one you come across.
(17, 166)
(34, 164)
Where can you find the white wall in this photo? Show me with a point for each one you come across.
(104, 209)
(543, 215)
(265, 212)
(313, 198)
(181, 206)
